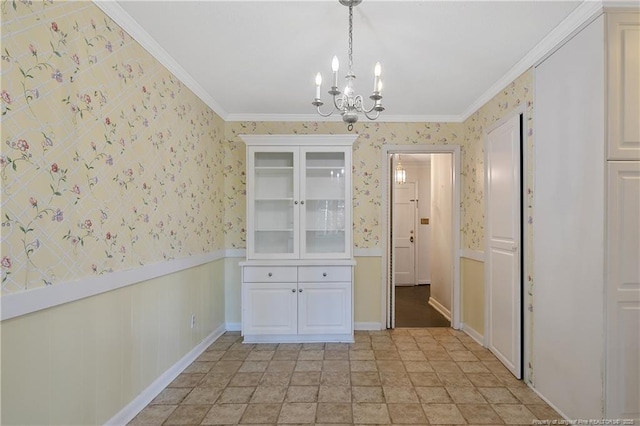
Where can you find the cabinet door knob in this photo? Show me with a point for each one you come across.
(270, 274)
(293, 290)
(300, 290)
(324, 274)
(295, 202)
(301, 202)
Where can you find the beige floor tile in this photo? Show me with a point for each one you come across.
(302, 394)
(216, 380)
(472, 367)
(334, 378)
(261, 414)
(418, 366)
(311, 355)
(394, 378)
(186, 380)
(367, 394)
(334, 394)
(203, 396)
(285, 355)
(400, 394)
(289, 347)
(224, 414)
(406, 414)
(387, 354)
(465, 395)
(226, 366)
(412, 356)
(317, 346)
(334, 413)
(445, 366)
(435, 353)
(335, 365)
(276, 366)
(514, 414)
(235, 355)
(365, 378)
(232, 395)
(361, 346)
(454, 379)
(363, 365)
(305, 378)
(443, 414)
(253, 367)
(433, 395)
(544, 412)
(336, 347)
(336, 355)
(210, 356)
(171, 396)
(276, 379)
(498, 395)
(425, 379)
(526, 395)
(462, 355)
(199, 367)
(245, 379)
(269, 394)
(484, 380)
(370, 413)
(265, 347)
(479, 414)
(308, 366)
(153, 415)
(362, 355)
(397, 366)
(298, 412)
(187, 415)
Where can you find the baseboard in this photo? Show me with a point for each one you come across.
(143, 399)
(471, 332)
(424, 282)
(233, 326)
(438, 307)
(542, 397)
(368, 326)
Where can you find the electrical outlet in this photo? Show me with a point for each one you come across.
(193, 320)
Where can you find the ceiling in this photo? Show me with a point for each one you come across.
(253, 60)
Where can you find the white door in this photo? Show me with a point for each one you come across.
(503, 257)
(623, 291)
(324, 308)
(269, 308)
(404, 235)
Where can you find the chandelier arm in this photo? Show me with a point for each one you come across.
(339, 102)
(367, 111)
(366, 114)
(322, 114)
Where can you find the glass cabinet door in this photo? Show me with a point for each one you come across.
(273, 218)
(325, 227)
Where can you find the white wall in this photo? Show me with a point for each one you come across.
(441, 260)
(568, 235)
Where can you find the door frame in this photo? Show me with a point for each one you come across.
(387, 283)
(524, 238)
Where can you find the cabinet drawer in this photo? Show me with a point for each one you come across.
(324, 273)
(268, 274)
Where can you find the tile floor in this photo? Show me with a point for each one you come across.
(401, 376)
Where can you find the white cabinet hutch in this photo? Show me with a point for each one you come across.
(297, 281)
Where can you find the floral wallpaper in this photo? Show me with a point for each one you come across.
(107, 161)
(367, 170)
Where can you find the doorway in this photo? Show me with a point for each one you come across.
(426, 291)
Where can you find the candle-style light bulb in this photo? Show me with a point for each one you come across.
(379, 86)
(335, 65)
(377, 70)
(318, 83)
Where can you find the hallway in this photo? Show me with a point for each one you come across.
(413, 309)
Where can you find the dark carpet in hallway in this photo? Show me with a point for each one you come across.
(413, 310)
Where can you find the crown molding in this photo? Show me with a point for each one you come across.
(338, 118)
(127, 23)
(582, 14)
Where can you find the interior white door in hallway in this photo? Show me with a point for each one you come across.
(404, 233)
(503, 234)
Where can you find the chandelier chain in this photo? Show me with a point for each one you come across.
(350, 39)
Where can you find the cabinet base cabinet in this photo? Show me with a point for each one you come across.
(297, 311)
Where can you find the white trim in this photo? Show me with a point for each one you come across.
(440, 308)
(473, 333)
(424, 282)
(131, 26)
(299, 140)
(451, 118)
(368, 326)
(235, 253)
(136, 405)
(586, 11)
(477, 255)
(542, 397)
(26, 302)
(298, 338)
(234, 326)
(367, 252)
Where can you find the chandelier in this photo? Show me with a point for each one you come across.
(347, 103)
